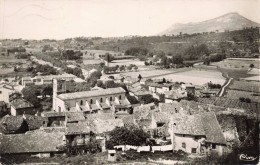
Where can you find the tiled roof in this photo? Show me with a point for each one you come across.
(101, 116)
(75, 95)
(83, 127)
(212, 128)
(74, 116)
(127, 119)
(20, 103)
(187, 124)
(52, 114)
(31, 142)
(161, 117)
(104, 126)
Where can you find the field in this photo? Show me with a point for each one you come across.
(196, 77)
(6, 70)
(235, 94)
(126, 62)
(245, 86)
(152, 73)
(237, 63)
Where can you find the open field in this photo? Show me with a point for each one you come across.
(152, 73)
(245, 86)
(237, 63)
(196, 77)
(126, 62)
(92, 62)
(236, 94)
(6, 71)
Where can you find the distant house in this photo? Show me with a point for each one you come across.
(40, 144)
(200, 134)
(20, 107)
(209, 93)
(160, 88)
(6, 90)
(174, 95)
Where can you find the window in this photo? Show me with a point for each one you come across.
(183, 145)
(59, 108)
(120, 97)
(193, 150)
(111, 99)
(101, 100)
(214, 146)
(81, 102)
(176, 111)
(91, 101)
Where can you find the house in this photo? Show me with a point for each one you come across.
(78, 133)
(40, 144)
(6, 90)
(198, 134)
(13, 125)
(55, 119)
(174, 95)
(42, 80)
(97, 101)
(20, 107)
(209, 93)
(160, 88)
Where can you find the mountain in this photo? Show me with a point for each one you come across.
(230, 21)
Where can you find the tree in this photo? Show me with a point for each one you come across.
(47, 91)
(127, 136)
(122, 68)
(30, 94)
(139, 77)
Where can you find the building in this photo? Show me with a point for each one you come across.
(198, 134)
(20, 107)
(88, 101)
(160, 88)
(6, 90)
(42, 80)
(40, 144)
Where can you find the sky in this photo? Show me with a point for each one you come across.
(59, 19)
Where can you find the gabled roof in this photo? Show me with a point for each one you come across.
(52, 114)
(34, 142)
(188, 124)
(85, 94)
(212, 128)
(100, 116)
(20, 103)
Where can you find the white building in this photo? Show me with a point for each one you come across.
(88, 101)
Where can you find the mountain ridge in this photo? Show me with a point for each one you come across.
(228, 21)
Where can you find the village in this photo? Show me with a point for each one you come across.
(169, 99)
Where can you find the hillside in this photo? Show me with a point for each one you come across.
(230, 21)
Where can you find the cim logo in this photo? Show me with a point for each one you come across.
(247, 157)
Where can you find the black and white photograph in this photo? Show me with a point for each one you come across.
(129, 82)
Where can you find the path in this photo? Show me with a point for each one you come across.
(224, 87)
